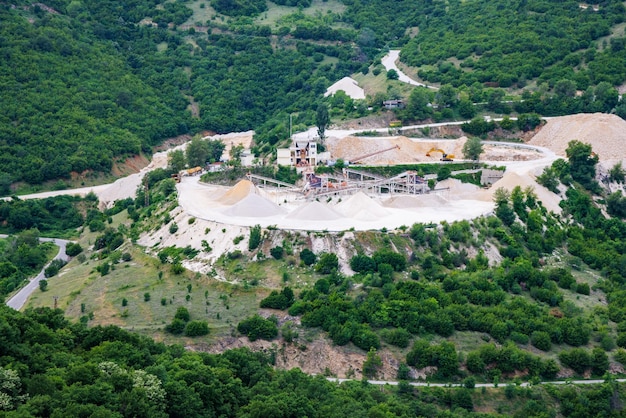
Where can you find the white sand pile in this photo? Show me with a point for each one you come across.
(239, 191)
(511, 179)
(417, 201)
(605, 133)
(362, 207)
(253, 206)
(349, 86)
(457, 186)
(314, 211)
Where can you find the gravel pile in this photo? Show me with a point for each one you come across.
(238, 192)
(605, 133)
(314, 211)
(362, 207)
(254, 206)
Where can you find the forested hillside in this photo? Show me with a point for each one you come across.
(516, 43)
(50, 367)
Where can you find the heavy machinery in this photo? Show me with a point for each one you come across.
(444, 156)
(358, 159)
(194, 171)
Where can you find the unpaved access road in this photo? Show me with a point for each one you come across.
(389, 62)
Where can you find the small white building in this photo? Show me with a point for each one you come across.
(301, 154)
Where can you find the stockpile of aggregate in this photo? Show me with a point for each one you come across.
(314, 211)
(605, 133)
(362, 207)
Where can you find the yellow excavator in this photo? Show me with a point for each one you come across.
(444, 156)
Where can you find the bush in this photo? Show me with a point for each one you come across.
(577, 359)
(126, 257)
(362, 263)
(281, 300)
(72, 249)
(256, 327)
(277, 252)
(255, 237)
(398, 337)
(43, 285)
(173, 228)
(583, 289)
(54, 267)
(197, 328)
(308, 257)
(541, 340)
(182, 313)
(394, 259)
(176, 327)
(328, 262)
(146, 297)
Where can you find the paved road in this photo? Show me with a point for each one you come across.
(389, 62)
(478, 385)
(19, 299)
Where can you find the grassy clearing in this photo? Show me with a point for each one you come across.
(83, 291)
(202, 12)
(318, 8)
(617, 31)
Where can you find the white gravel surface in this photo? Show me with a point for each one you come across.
(349, 85)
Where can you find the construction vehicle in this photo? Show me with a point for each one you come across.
(444, 156)
(358, 159)
(194, 171)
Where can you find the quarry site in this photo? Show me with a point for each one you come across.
(348, 204)
(227, 212)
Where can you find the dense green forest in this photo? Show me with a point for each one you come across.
(50, 367)
(528, 41)
(85, 83)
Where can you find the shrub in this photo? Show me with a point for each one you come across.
(277, 252)
(177, 268)
(43, 285)
(72, 249)
(327, 263)
(394, 259)
(173, 228)
(583, 288)
(126, 257)
(197, 328)
(541, 340)
(398, 337)
(281, 300)
(146, 297)
(577, 358)
(256, 327)
(255, 237)
(308, 257)
(362, 263)
(176, 327)
(519, 338)
(54, 267)
(182, 313)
